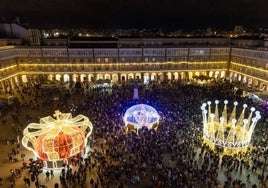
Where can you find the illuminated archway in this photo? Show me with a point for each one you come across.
(50, 77)
(256, 83)
(217, 74)
(182, 75)
(231, 76)
(66, 77)
(176, 75)
(250, 81)
(107, 77)
(16, 80)
(245, 80)
(99, 77)
(58, 77)
(210, 74)
(138, 76)
(235, 77)
(190, 75)
(169, 76)
(263, 87)
(91, 77)
(204, 73)
(75, 77)
(114, 78)
(222, 74)
(153, 76)
(123, 77)
(146, 78)
(24, 78)
(161, 76)
(239, 78)
(197, 73)
(130, 76)
(83, 78)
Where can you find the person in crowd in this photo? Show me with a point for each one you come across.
(172, 156)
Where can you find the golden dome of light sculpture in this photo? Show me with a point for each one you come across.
(229, 135)
(57, 139)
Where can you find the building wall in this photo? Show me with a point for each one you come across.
(14, 31)
(24, 65)
(34, 37)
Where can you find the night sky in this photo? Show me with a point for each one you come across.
(169, 14)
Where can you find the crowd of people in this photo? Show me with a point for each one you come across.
(172, 156)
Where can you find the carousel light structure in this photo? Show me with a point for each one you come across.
(141, 115)
(230, 134)
(56, 140)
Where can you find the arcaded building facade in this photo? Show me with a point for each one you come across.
(122, 60)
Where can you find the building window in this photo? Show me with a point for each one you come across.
(106, 60)
(98, 60)
(146, 59)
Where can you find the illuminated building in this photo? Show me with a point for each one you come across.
(124, 59)
(55, 141)
(141, 115)
(228, 132)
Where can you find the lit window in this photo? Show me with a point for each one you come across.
(201, 51)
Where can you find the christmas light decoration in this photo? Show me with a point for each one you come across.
(57, 139)
(232, 135)
(141, 115)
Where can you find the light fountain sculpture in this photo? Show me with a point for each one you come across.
(56, 141)
(141, 115)
(230, 134)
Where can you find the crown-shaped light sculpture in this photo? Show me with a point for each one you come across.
(56, 140)
(231, 134)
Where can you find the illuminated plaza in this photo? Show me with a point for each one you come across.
(175, 78)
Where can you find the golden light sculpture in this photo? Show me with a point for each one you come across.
(56, 140)
(229, 134)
